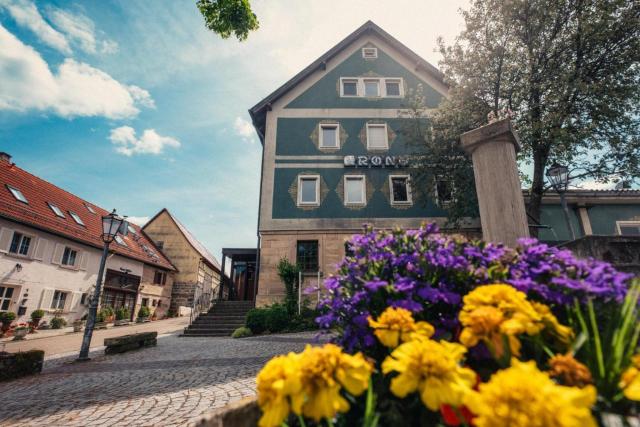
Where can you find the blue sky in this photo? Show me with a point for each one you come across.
(135, 105)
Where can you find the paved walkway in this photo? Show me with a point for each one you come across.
(171, 384)
(67, 342)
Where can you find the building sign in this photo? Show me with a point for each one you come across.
(376, 161)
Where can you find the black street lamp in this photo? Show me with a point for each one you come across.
(559, 177)
(112, 224)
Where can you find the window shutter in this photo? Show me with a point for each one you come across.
(41, 247)
(5, 239)
(68, 301)
(84, 260)
(57, 254)
(46, 298)
(75, 301)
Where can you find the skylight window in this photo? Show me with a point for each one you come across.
(17, 194)
(89, 208)
(119, 240)
(76, 218)
(131, 229)
(56, 210)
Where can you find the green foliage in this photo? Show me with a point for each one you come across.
(22, 364)
(100, 317)
(7, 317)
(122, 313)
(58, 322)
(227, 17)
(108, 311)
(241, 332)
(288, 273)
(257, 320)
(144, 312)
(275, 318)
(37, 314)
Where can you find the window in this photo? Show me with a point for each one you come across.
(307, 255)
(444, 192)
(89, 208)
(76, 218)
(329, 136)
(392, 87)
(56, 210)
(69, 257)
(308, 190)
(400, 190)
(5, 297)
(160, 278)
(83, 299)
(372, 88)
(154, 302)
(130, 229)
(59, 298)
(377, 137)
(20, 244)
(350, 87)
(17, 194)
(145, 302)
(628, 228)
(354, 186)
(369, 52)
(119, 240)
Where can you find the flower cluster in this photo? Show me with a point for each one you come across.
(427, 273)
(630, 381)
(397, 325)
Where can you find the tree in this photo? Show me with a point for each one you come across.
(569, 70)
(226, 17)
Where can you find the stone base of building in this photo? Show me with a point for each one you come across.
(182, 295)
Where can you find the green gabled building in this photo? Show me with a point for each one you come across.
(334, 157)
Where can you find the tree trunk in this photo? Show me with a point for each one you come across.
(537, 188)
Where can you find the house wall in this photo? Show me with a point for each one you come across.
(158, 296)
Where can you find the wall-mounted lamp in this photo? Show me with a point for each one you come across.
(18, 267)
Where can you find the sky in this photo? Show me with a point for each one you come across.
(135, 105)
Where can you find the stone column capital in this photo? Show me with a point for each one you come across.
(502, 130)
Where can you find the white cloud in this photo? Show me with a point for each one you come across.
(81, 31)
(26, 15)
(77, 89)
(127, 143)
(245, 129)
(138, 220)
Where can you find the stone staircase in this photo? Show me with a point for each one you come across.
(221, 320)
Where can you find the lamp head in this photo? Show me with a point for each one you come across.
(559, 177)
(111, 226)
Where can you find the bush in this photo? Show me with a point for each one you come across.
(144, 312)
(277, 318)
(241, 332)
(257, 320)
(289, 273)
(100, 316)
(305, 321)
(37, 314)
(20, 364)
(108, 311)
(7, 317)
(122, 313)
(58, 323)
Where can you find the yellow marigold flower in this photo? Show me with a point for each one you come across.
(563, 333)
(521, 396)
(397, 325)
(630, 380)
(432, 368)
(324, 371)
(279, 387)
(493, 311)
(569, 371)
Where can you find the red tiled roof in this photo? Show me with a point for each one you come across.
(38, 214)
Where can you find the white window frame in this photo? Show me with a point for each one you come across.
(56, 210)
(409, 200)
(89, 208)
(32, 242)
(119, 240)
(321, 143)
(350, 79)
(625, 224)
(4, 298)
(76, 259)
(372, 49)
(364, 87)
(309, 177)
(400, 87)
(362, 178)
(386, 136)
(56, 302)
(17, 194)
(76, 218)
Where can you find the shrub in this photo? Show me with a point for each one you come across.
(241, 332)
(100, 316)
(277, 318)
(16, 365)
(288, 273)
(122, 313)
(58, 322)
(256, 320)
(108, 311)
(37, 314)
(144, 312)
(7, 317)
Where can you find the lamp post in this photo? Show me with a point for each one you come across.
(112, 224)
(559, 177)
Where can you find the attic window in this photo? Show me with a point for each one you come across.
(89, 208)
(56, 210)
(369, 52)
(131, 229)
(119, 240)
(76, 218)
(18, 194)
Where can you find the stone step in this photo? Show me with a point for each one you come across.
(216, 325)
(220, 317)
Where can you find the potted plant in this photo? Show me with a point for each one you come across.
(77, 325)
(122, 316)
(36, 316)
(109, 313)
(143, 314)
(58, 322)
(20, 331)
(6, 318)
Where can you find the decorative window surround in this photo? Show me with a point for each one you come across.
(372, 142)
(388, 87)
(329, 144)
(408, 200)
(628, 228)
(309, 178)
(354, 180)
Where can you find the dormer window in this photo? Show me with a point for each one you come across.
(17, 194)
(76, 218)
(56, 210)
(369, 52)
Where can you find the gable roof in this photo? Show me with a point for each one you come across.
(37, 213)
(195, 243)
(259, 111)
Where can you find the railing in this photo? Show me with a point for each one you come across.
(201, 302)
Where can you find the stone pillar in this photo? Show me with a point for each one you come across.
(493, 150)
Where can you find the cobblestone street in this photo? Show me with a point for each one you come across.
(171, 384)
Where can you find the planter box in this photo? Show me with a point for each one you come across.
(143, 320)
(19, 334)
(123, 322)
(21, 364)
(243, 413)
(130, 342)
(100, 325)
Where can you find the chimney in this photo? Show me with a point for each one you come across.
(5, 157)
